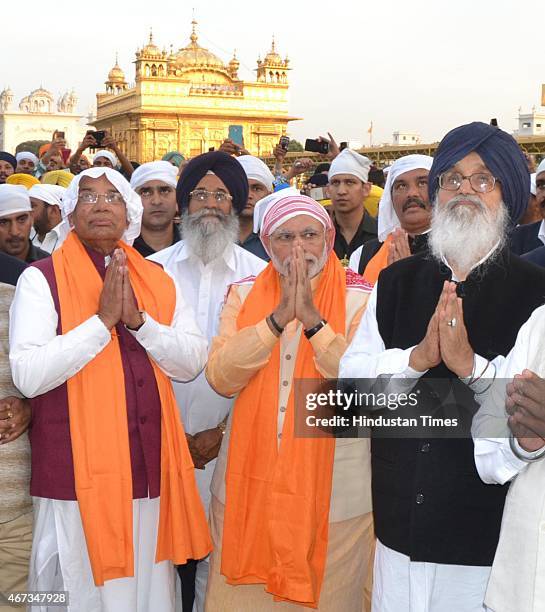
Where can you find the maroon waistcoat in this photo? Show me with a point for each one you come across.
(52, 462)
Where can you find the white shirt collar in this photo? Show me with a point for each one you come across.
(541, 232)
(454, 278)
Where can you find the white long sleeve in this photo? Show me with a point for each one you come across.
(41, 360)
(494, 459)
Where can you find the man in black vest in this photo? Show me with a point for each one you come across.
(446, 314)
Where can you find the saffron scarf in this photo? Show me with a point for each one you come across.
(99, 431)
(278, 496)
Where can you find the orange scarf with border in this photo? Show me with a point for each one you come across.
(99, 431)
(278, 496)
(378, 262)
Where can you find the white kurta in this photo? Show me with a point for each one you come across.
(204, 288)
(517, 582)
(399, 583)
(40, 361)
(54, 238)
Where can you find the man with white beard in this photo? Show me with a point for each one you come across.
(446, 316)
(211, 193)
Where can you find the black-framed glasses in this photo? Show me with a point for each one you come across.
(201, 195)
(90, 197)
(482, 182)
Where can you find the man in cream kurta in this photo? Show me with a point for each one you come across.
(236, 356)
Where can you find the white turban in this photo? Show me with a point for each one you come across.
(108, 155)
(155, 171)
(52, 194)
(14, 199)
(132, 199)
(27, 155)
(533, 183)
(257, 170)
(541, 167)
(387, 219)
(350, 162)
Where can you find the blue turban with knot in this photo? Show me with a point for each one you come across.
(224, 167)
(500, 153)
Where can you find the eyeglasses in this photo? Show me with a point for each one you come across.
(201, 195)
(147, 192)
(90, 197)
(287, 238)
(482, 182)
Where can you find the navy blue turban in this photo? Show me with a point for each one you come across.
(501, 155)
(8, 157)
(224, 167)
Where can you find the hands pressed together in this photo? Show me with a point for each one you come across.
(446, 337)
(117, 301)
(297, 301)
(525, 406)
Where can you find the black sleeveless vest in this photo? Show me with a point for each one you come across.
(428, 500)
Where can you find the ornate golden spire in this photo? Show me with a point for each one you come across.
(193, 36)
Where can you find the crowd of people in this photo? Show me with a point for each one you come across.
(156, 321)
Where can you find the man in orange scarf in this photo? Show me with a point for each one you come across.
(404, 217)
(96, 333)
(290, 516)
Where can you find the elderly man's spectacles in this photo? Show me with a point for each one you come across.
(90, 197)
(287, 238)
(482, 182)
(201, 195)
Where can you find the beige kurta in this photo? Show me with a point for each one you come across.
(234, 358)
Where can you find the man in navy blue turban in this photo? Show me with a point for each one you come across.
(224, 167)
(8, 163)
(451, 313)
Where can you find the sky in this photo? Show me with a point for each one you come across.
(423, 66)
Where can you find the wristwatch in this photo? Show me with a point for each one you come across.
(314, 330)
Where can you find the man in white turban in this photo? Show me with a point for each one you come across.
(155, 182)
(404, 217)
(27, 162)
(260, 184)
(348, 187)
(51, 228)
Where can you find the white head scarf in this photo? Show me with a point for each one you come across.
(27, 155)
(350, 162)
(541, 167)
(52, 194)
(132, 199)
(387, 219)
(155, 171)
(108, 155)
(533, 183)
(257, 170)
(14, 199)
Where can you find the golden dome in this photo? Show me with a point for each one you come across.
(272, 58)
(194, 55)
(151, 49)
(116, 74)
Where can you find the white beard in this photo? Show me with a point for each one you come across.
(464, 233)
(315, 267)
(207, 238)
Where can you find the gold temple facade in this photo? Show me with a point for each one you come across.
(186, 100)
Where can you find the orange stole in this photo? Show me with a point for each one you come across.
(277, 497)
(99, 432)
(378, 262)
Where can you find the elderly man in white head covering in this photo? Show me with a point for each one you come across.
(348, 187)
(96, 333)
(260, 184)
(16, 224)
(105, 159)
(298, 508)
(404, 217)
(49, 223)
(27, 162)
(155, 183)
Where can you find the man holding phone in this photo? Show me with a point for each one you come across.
(104, 140)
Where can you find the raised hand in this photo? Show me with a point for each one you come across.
(399, 246)
(456, 352)
(130, 315)
(111, 298)
(285, 311)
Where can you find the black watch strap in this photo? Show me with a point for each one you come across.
(314, 330)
